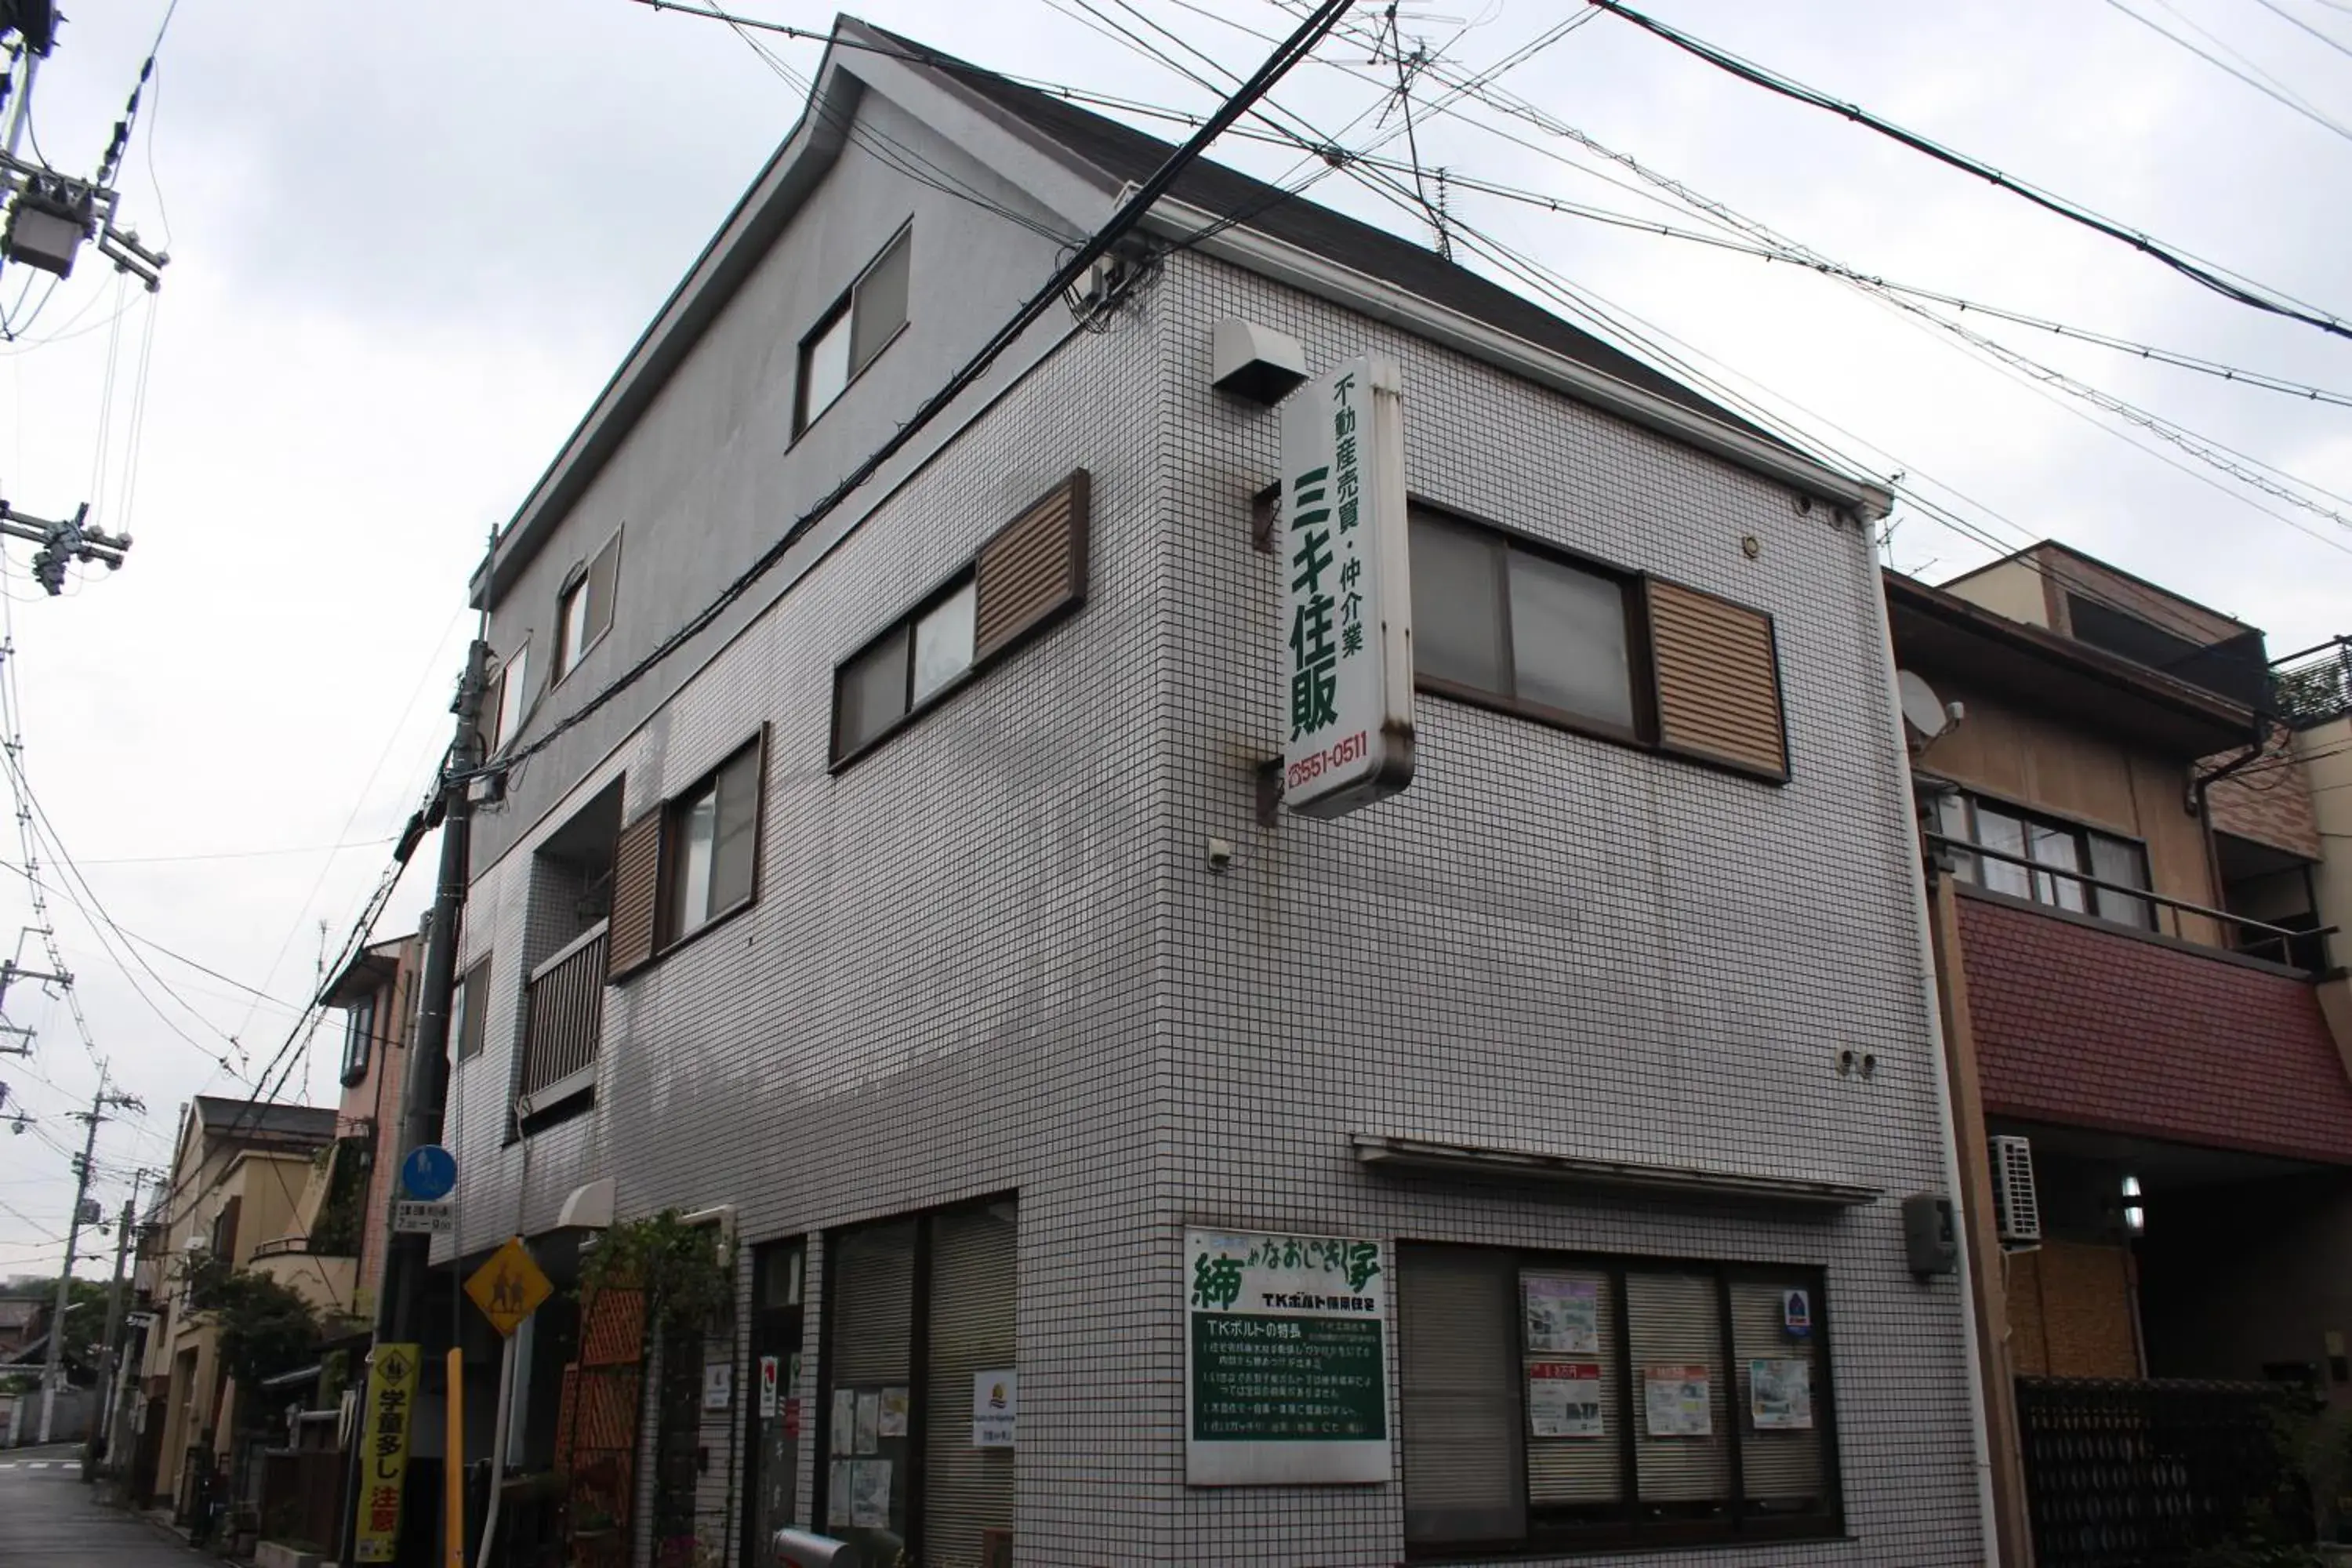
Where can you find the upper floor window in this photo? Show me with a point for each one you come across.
(583, 611)
(1513, 624)
(2029, 857)
(903, 669)
(467, 1002)
(1033, 569)
(358, 1039)
(714, 844)
(503, 705)
(849, 335)
(1494, 618)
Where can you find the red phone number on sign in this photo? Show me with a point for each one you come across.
(1354, 749)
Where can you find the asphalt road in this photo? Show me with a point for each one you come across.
(48, 1517)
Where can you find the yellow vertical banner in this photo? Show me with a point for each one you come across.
(453, 1487)
(384, 1452)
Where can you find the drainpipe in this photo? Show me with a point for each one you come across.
(2200, 807)
(1980, 1440)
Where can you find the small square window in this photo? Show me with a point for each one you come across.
(903, 669)
(467, 1004)
(358, 1039)
(583, 612)
(851, 335)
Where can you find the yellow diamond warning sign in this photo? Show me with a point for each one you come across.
(509, 1287)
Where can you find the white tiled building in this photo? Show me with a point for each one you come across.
(967, 1016)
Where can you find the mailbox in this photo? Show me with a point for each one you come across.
(806, 1548)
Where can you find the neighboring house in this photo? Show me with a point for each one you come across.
(378, 994)
(23, 1322)
(922, 921)
(2313, 691)
(239, 1178)
(2142, 1009)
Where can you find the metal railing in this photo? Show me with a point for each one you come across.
(564, 1018)
(2281, 944)
(2314, 686)
(2143, 1474)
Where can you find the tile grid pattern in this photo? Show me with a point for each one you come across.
(999, 962)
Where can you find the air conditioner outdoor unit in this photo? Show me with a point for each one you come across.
(2016, 1208)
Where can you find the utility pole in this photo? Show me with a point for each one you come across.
(54, 1368)
(104, 1418)
(407, 1260)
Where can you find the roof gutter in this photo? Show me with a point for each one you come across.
(1328, 279)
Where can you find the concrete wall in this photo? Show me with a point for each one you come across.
(2013, 588)
(713, 473)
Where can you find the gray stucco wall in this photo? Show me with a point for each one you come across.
(712, 474)
(990, 957)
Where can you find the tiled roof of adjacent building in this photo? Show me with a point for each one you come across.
(2092, 1028)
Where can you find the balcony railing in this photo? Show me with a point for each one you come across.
(564, 1022)
(2311, 687)
(2258, 939)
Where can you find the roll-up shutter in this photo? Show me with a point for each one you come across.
(1586, 1468)
(1781, 1467)
(636, 893)
(871, 1288)
(1719, 680)
(1033, 569)
(967, 1490)
(1464, 1475)
(1676, 1332)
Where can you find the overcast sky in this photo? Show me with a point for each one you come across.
(410, 243)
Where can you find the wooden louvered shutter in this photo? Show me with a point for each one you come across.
(967, 1491)
(1034, 568)
(1719, 679)
(1465, 1464)
(636, 896)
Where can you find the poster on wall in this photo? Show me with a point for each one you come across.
(1675, 1401)
(836, 1496)
(869, 1494)
(1563, 1315)
(869, 1422)
(1780, 1395)
(894, 1413)
(1564, 1399)
(995, 1407)
(1286, 1375)
(845, 1420)
(769, 1373)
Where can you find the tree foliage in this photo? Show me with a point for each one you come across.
(686, 1272)
(265, 1328)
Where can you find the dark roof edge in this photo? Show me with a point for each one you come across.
(2103, 565)
(2097, 663)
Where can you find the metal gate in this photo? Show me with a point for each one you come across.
(2133, 1474)
(596, 1429)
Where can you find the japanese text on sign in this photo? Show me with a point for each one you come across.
(384, 1452)
(1288, 1379)
(1347, 620)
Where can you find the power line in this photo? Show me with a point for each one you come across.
(2257, 297)
(2274, 8)
(2254, 77)
(1078, 266)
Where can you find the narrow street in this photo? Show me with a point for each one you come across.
(48, 1517)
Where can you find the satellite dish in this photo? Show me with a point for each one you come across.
(1922, 709)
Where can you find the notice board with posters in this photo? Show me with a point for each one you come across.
(1286, 1363)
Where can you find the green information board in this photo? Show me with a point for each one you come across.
(1288, 1379)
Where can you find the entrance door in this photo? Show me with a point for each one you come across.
(773, 1410)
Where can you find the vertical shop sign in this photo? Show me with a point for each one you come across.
(1286, 1375)
(384, 1452)
(1347, 623)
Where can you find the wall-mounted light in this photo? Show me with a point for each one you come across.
(2135, 1215)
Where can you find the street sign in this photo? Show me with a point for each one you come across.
(410, 1218)
(509, 1287)
(428, 1173)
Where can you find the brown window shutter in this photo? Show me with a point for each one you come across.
(1718, 677)
(1033, 568)
(637, 894)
